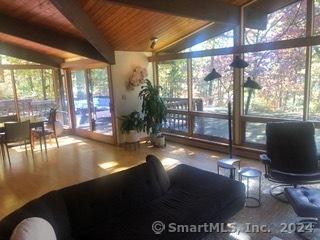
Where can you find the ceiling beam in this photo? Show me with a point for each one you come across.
(209, 10)
(204, 34)
(29, 55)
(72, 10)
(35, 33)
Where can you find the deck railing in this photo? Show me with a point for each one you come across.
(178, 121)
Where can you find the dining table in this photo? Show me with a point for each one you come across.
(34, 123)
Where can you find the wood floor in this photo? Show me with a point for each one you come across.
(79, 160)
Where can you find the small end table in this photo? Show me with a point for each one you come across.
(251, 173)
(229, 164)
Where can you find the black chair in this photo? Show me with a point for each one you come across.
(50, 128)
(17, 134)
(291, 158)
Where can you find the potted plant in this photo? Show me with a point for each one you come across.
(131, 124)
(154, 111)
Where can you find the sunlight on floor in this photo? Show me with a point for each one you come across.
(108, 165)
(170, 162)
(63, 141)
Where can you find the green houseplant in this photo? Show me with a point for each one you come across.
(131, 124)
(154, 111)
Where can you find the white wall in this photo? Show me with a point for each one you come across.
(126, 101)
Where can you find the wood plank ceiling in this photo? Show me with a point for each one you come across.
(125, 28)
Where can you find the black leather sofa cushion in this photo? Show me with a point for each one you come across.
(305, 201)
(195, 197)
(50, 207)
(124, 205)
(92, 202)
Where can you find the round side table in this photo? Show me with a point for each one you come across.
(251, 173)
(229, 164)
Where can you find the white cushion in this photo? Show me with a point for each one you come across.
(33, 229)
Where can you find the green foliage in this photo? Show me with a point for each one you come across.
(132, 121)
(153, 107)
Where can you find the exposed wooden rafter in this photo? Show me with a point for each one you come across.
(29, 55)
(32, 32)
(72, 10)
(209, 10)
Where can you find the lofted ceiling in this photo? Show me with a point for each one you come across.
(123, 27)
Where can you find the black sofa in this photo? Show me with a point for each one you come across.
(124, 205)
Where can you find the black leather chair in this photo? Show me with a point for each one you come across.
(291, 157)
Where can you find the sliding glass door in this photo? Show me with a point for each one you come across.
(92, 103)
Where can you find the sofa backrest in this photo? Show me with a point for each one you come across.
(74, 210)
(50, 207)
(98, 200)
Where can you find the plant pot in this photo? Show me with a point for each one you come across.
(158, 141)
(132, 136)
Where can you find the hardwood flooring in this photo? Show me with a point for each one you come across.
(79, 160)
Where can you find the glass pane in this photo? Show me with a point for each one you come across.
(80, 99)
(7, 105)
(99, 88)
(63, 111)
(212, 96)
(223, 40)
(281, 74)
(11, 60)
(279, 23)
(173, 80)
(210, 127)
(314, 104)
(316, 24)
(256, 132)
(176, 123)
(35, 91)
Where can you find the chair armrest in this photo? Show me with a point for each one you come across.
(265, 159)
(267, 164)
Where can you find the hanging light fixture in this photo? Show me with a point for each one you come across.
(213, 75)
(251, 85)
(239, 63)
(154, 41)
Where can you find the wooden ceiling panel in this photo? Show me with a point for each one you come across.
(36, 47)
(40, 12)
(131, 29)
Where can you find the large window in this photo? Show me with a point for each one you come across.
(286, 23)
(7, 104)
(28, 89)
(212, 96)
(173, 80)
(221, 41)
(285, 88)
(281, 75)
(314, 104)
(316, 25)
(35, 91)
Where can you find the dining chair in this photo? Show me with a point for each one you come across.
(50, 128)
(2, 142)
(17, 134)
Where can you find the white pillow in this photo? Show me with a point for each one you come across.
(33, 229)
